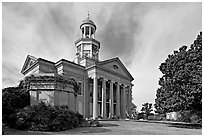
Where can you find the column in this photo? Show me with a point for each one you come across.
(124, 100)
(93, 33)
(82, 33)
(95, 97)
(129, 101)
(104, 99)
(111, 98)
(118, 100)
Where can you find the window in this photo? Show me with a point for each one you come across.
(87, 30)
(80, 88)
(87, 53)
(79, 48)
(31, 63)
(94, 48)
(99, 91)
(91, 89)
(92, 31)
(115, 66)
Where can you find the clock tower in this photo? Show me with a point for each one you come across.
(87, 47)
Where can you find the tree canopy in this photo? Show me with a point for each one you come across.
(181, 83)
(147, 109)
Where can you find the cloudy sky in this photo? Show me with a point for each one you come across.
(140, 34)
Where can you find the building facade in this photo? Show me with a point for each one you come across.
(105, 87)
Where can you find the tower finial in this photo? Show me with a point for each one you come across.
(88, 14)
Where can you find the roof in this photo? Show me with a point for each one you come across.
(117, 60)
(88, 21)
(37, 60)
(69, 62)
(29, 57)
(87, 39)
(46, 60)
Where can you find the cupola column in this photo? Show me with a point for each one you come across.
(89, 32)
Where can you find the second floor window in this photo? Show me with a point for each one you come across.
(80, 88)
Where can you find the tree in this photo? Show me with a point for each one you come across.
(147, 109)
(133, 110)
(181, 83)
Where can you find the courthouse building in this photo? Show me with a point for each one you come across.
(105, 87)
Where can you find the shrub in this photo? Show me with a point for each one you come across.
(13, 99)
(190, 116)
(141, 116)
(47, 118)
(196, 118)
(114, 117)
(156, 117)
(94, 123)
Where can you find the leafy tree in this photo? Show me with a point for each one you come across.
(147, 109)
(181, 83)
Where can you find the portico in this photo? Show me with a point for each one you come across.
(110, 97)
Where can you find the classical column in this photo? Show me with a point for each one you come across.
(82, 33)
(95, 97)
(129, 101)
(111, 98)
(104, 99)
(123, 102)
(118, 100)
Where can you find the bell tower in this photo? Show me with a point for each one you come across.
(87, 47)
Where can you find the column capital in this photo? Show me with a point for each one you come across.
(95, 76)
(126, 86)
(112, 81)
(123, 85)
(105, 79)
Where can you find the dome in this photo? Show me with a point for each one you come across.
(88, 21)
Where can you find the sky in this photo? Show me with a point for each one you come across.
(142, 35)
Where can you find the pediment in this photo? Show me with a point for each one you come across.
(116, 66)
(30, 60)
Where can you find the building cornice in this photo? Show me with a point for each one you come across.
(87, 39)
(108, 71)
(71, 64)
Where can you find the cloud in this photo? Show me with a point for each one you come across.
(165, 28)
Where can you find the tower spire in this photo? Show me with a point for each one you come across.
(88, 14)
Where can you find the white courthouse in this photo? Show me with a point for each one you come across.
(105, 86)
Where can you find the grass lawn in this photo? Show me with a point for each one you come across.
(121, 128)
